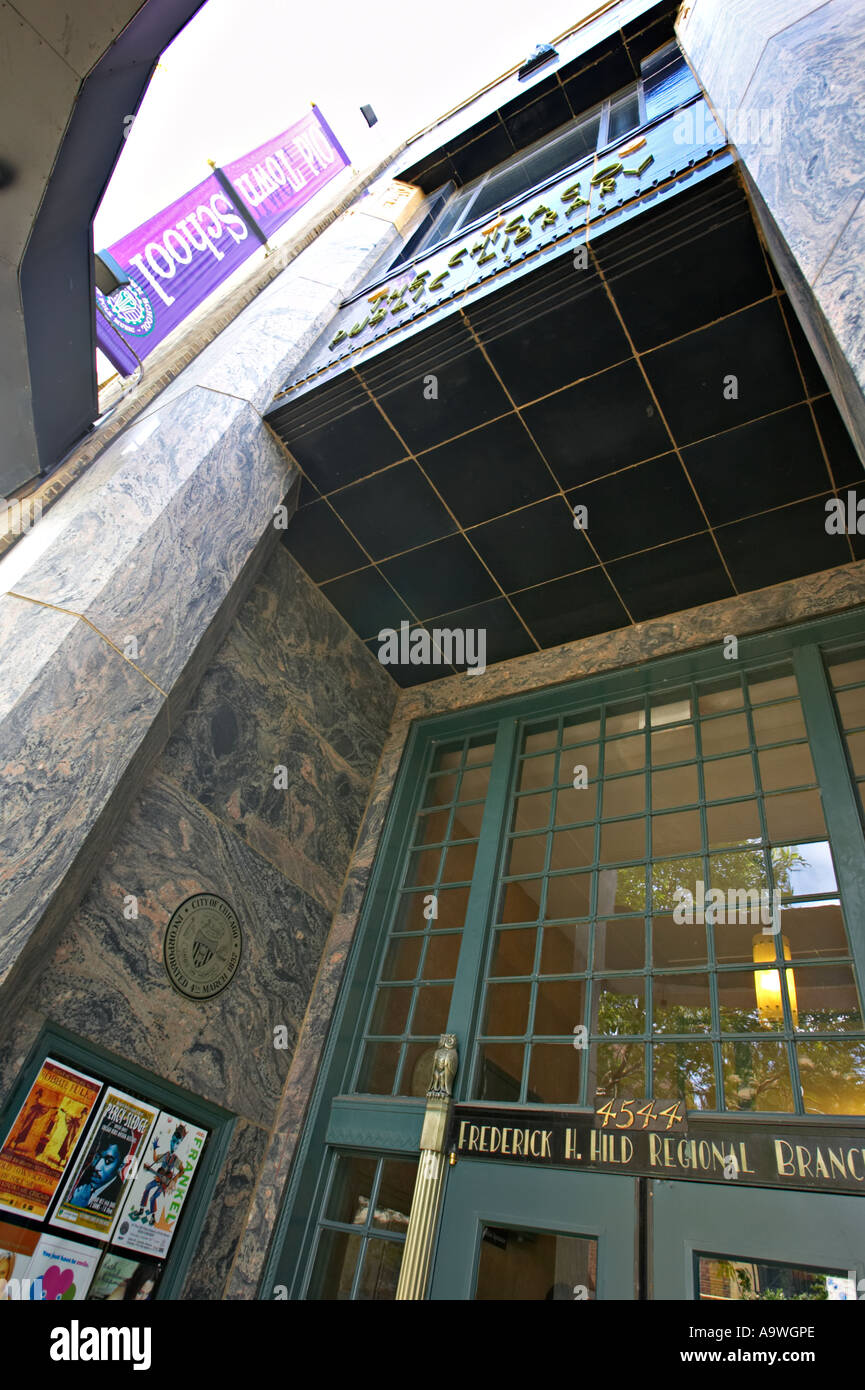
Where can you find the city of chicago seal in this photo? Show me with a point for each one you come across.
(202, 946)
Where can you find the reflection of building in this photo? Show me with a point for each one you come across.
(588, 393)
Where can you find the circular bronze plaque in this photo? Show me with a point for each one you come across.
(202, 946)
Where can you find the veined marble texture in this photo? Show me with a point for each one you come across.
(151, 556)
(106, 980)
(248, 719)
(226, 1216)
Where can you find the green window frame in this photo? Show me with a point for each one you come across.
(343, 1118)
(66, 1047)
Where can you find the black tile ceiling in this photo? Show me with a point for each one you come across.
(556, 388)
(489, 471)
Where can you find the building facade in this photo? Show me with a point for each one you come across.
(433, 754)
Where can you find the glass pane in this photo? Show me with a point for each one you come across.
(716, 696)
(514, 952)
(791, 815)
(350, 1191)
(442, 956)
(417, 1068)
(750, 1001)
(786, 767)
(432, 827)
(671, 879)
(728, 778)
(833, 1077)
(756, 1076)
(677, 945)
(500, 1071)
(670, 708)
(378, 1069)
(619, 1005)
(624, 796)
(555, 1073)
(673, 745)
(541, 736)
(527, 855)
(431, 1010)
(467, 821)
(380, 1274)
(395, 1192)
(621, 890)
(681, 1004)
(533, 812)
(440, 790)
(824, 1000)
(564, 950)
(335, 1263)
(620, 945)
(560, 1007)
(474, 783)
(573, 849)
(459, 863)
(625, 754)
(814, 930)
(581, 728)
(800, 870)
(624, 116)
(569, 895)
(623, 839)
(726, 1277)
(521, 901)
(728, 734)
(450, 908)
(856, 750)
(391, 1010)
(528, 1266)
(583, 761)
(851, 707)
(685, 1071)
(779, 722)
(576, 804)
(423, 867)
(448, 757)
(625, 718)
(678, 832)
(480, 750)
(537, 772)
(732, 823)
(401, 961)
(775, 683)
(846, 668)
(617, 1069)
(678, 786)
(507, 1010)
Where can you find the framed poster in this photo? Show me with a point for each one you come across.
(97, 1185)
(17, 1244)
(127, 1280)
(160, 1186)
(61, 1269)
(43, 1137)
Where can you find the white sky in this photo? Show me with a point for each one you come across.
(243, 70)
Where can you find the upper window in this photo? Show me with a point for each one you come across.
(666, 82)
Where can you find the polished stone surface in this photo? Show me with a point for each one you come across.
(227, 1216)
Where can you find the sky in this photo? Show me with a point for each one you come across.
(243, 70)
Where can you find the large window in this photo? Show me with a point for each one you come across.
(665, 83)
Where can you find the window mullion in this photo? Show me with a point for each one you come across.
(840, 809)
(469, 976)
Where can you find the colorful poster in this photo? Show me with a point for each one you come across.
(160, 1186)
(61, 1269)
(132, 1281)
(16, 1247)
(180, 255)
(44, 1136)
(95, 1190)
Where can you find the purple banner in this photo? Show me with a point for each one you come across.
(179, 256)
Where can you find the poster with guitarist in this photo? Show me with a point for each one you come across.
(160, 1186)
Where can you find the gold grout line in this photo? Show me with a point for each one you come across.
(559, 489)
(70, 613)
(450, 513)
(664, 422)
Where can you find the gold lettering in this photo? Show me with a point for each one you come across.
(518, 1141)
(483, 1146)
(682, 1152)
(669, 1160)
(743, 1160)
(718, 1155)
(627, 1149)
(654, 1149)
(784, 1165)
(463, 1125)
(595, 1145)
(505, 1135)
(804, 1165)
(837, 1164)
(820, 1165)
(546, 1151)
(474, 1135)
(704, 1153)
(853, 1174)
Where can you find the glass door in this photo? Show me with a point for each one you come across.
(747, 1244)
(517, 1234)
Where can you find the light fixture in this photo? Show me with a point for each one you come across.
(767, 983)
(543, 53)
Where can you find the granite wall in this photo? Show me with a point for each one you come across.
(291, 686)
(785, 80)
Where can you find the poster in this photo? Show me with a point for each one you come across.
(16, 1247)
(160, 1186)
(131, 1281)
(61, 1269)
(97, 1185)
(44, 1136)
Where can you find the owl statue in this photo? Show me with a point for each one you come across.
(445, 1065)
